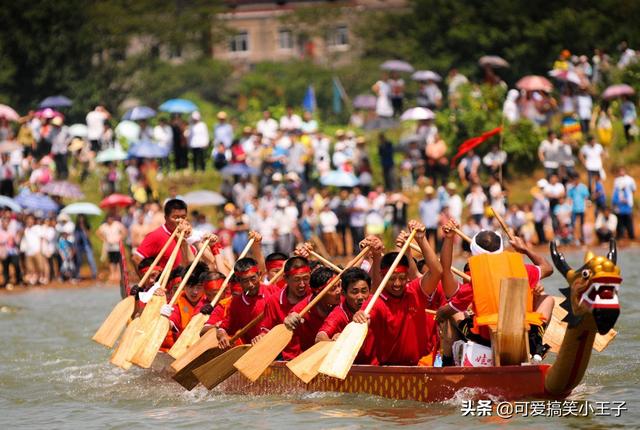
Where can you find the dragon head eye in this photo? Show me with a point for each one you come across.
(586, 273)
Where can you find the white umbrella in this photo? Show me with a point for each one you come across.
(78, 130)
(85, 208)
(426, 75)
(417, 114)
(129, 130)
(204, 198)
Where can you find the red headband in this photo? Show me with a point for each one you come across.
(146, 269)
(298, 271)
(249, 271)
(216, 248)
(399, 269)
(274, 264)
(213, 284)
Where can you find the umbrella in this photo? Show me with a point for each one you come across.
(364, 101)
(417, 113)
(566, 75)
(138, 113)
(238, 169)
(534, 83)
(397, 66)
(148, 149)
(203, 198)
(78, 130)
(178, 106)
(63, 189)
(8, 202)
(116, 200)
(9, 146)
(338, 178)
(85, 208)
(111, 154)
(426, 75)
(129, 130)
(617, 91)
(35, 202)
(48, 113)
(55, 102)
(8, 113)
(493, 61)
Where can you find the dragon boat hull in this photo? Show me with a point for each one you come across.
(422, 384)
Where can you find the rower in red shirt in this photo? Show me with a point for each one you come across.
(397, 321)
(488, 242)
(188, 304)
(306, 328)
(273, 263)
(297, 275)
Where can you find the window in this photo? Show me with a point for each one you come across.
(285, 39)
(239, 42)
(339, 36)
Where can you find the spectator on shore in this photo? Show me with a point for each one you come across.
(624, 186)
(629, 117)
(495, 160)
(468, 168)
(578, 193)
(429, 210)
(606, 225)
(95, 126)
(290, 122)
(223, 131)
(198, 140)
(267, 126)
(549, 154)
(112, 232)
(382, 89)
(591, 155)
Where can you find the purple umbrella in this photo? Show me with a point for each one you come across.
(426, 75)
(63, 189)
(397, 66)
(493, 61)
(55, 102)
(139, 113)
(364, 101)
(617, 91)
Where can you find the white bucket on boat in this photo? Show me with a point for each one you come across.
(476, 355)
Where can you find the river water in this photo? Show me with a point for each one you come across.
(53, 376)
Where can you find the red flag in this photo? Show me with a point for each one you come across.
(469, 144)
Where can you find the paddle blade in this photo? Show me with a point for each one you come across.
(306, 365)
(208, 341)
(262, 354)
(148, 320)
(149, 349)
(222, 367)
(117, 320)
(344, 351)
(186, 377)
(189, 336)
(118, 358)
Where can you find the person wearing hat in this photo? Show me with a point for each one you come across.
(454, 202)
(223, 131)
(429, 209)
(198, 138)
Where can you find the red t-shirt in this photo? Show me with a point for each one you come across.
(153, 243)
(337, 320)
(242, 310)
(305, 335)
(399, 326)
(276, 308)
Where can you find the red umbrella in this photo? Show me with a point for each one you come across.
(535, 83)
(617, 91)
(116, 200)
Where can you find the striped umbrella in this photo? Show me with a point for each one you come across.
(63, 189)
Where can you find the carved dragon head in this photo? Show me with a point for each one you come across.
(593, 288)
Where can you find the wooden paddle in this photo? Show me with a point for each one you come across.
(149, 349)
(151, 313)
(209, 371)
(326, 262)
(502, 224)
(191, 333)
(455, 271)
(344, 350)
(117, 320)
(266, 350)
(221, 368)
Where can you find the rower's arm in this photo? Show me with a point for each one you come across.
(322, 336)
(430, 279)
(256, 250)
(546, 269)
(449, 283)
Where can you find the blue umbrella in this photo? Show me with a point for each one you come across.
(55, 102)
(338, 178)
(148, 149)
(238, 169)
(178, 106)
(34, 202)
(8, 202)
(138, 113)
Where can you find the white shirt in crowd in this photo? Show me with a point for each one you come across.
(551, 153)
(328, 221)
(592, 157)
(268, 127)
(163, 134)
(95, 124)
(198, 135)
(32, 240)
(554, 191)
(454, 203)
(476, 202)
(290, 123)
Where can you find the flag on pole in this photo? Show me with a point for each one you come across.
(469, 144)
(309, 102)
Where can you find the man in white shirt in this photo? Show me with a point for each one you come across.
(198, 140)
(95, 126)
(591, 157)
(267, 126)
(454, 202)
(290, 122)
(584, 105)
(606, 225)
(163, 135)
(549, 153)
(223, 131)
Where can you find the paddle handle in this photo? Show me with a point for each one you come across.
(325, 261)
(462, 235)
(502, 224)
(386, 278)
(158, 257)
(167, 270)
(223, 287)
(334, 281)
(455, 271)
(187, 275)
(246, 328)
(277, 276)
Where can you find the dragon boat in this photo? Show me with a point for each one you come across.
(591, 305)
